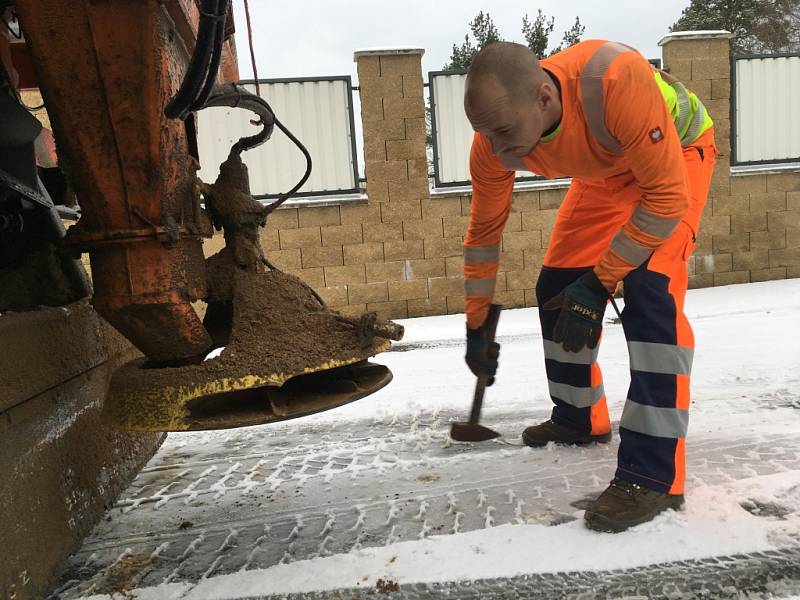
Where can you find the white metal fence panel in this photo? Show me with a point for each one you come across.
(318, 112)
(767, 119)
(452, 133)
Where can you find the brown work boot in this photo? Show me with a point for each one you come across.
(624, 504)
(549, 431)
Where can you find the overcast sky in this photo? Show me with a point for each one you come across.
(305, 38)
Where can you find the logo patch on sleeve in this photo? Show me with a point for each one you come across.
(656, 135)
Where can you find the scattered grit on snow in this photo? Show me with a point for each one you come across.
(748, 356)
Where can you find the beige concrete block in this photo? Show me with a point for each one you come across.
(382, 86)
(372, 111)
(520, 280)
(737, 242)
(522, 240)
(383, 232)
(345, 275)
(283, 218)
(353, 310)
(352, 214)
(716, 225)
(357, 254)
(713, 263)
(793, 201)
(270, 239)
(703, 280)
(314, 277)
(768, 201)
(748, 184)
(413, 86)
(732, 278)
(441, 207)
(716, 109)
(404, 108)
(731, 205)
(793, 272)
(455, 226)
(511, 298)
(403, 149)
(710, 68)
(525, 202)
(427, 307)
(408, 290)
(388, 129)
(740, 223)
(542, 220)
(401, 64)
(787, 257)
(551, 199)
(428, 267)
(403, 250)
(375, 149)
(334, 296)
(416, 129)
(368, 66)
(721, 88)
(792, 237)
(456, 304)
(453, 266)
(319, 216)
(783, 182)
(514, 222)
(389, 310)
(418, 167)
(408, 191)
(702, 87)
(386, 271)
(303, 237)
(721, 182)
(466, 202)
(680, 68)
(390, 170)
(286, 260)
(377, 191)
(340, 235)
(392, 212)
(770, 240)
(512, 261)
(530, 298)
(423, 228)
(446, 286)
(534, 259)
(693, 48)
(787, 219)
(755, 259)
(368, 292)
(704, 244)
(444, 247)
(768, 274)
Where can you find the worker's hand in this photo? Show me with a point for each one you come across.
(582, 304)
(481, 353)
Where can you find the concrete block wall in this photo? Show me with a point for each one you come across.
(399, 253)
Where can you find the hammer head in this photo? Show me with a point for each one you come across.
(471, 432)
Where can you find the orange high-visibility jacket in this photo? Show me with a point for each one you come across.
(618, 117)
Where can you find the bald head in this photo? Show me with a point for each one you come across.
(511, 65)
(510, 100)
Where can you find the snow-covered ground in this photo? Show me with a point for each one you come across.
(375, 492)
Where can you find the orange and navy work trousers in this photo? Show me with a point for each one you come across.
(660, 340)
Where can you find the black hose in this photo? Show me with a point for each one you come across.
(197, 72)
(216, 56)
(283, 197)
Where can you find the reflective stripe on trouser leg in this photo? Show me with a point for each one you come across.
(660, 345)
(574, 379)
